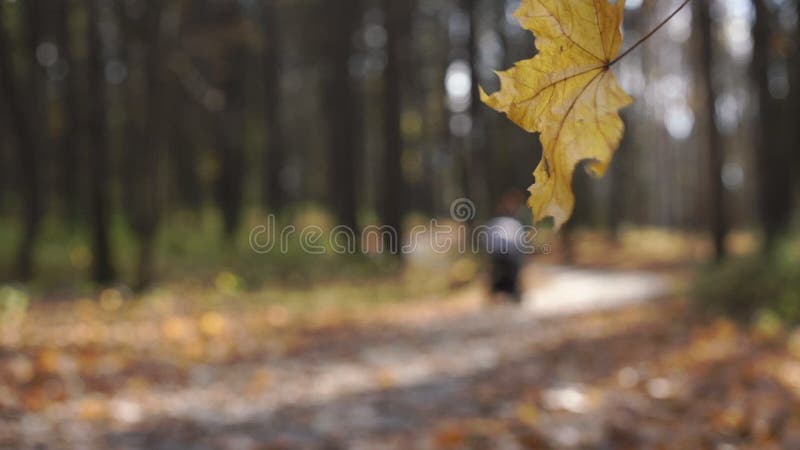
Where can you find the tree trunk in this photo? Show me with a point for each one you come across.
(393, 201)
(147, 223)
(714, 145)
(21, 126)
(70, 138)
(480, 158)
(180, 135)
(342, 110)
(230, 148)
(795, 113)
(773, 155)
(7, 183)
(102, 266)
(274, 157)
(230, 136)
(183, 150)
(619, 175)
(622, 174)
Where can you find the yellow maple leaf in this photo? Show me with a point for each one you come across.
(568, 94)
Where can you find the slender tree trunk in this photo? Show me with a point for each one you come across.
(772, 153)
(227, 19)
(183, 150)
(230, 148)
(180, 134)
(70, 138)
(28, 155)
(6, 183)
(145, 266)
(342, 109)
(795, 112)
(619, 175)
(581, 218)
(622, 175)
(229, 186)
(35, 14)
(133, 126)
(442, 186)
(102, 266)
(714, 144)
(149, 154)
(796, 106)
(481, 162)
(393, 202)
(275, 157)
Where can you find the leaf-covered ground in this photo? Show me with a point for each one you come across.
(171, 371)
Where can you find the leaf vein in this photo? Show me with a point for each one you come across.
(551, 85)
(569, 38)
(572, 108)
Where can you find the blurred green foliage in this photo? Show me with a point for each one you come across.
(753, 286)
(192, 251)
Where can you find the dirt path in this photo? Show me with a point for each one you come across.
(565, 291)
(346, 388)
(568, 375)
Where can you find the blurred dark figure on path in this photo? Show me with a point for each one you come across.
(504, 248)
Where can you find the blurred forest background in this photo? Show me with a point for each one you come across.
(124, 120)
(142, 140)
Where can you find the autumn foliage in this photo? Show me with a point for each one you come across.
(568, 94)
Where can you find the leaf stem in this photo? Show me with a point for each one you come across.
(650, 34)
